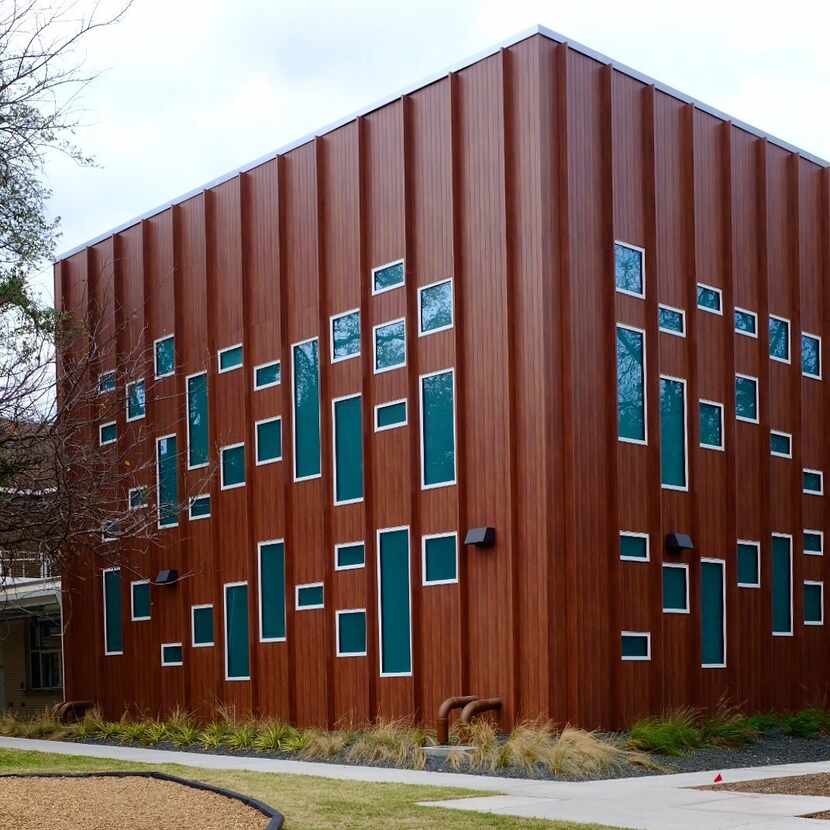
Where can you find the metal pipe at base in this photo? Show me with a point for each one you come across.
(443, 726)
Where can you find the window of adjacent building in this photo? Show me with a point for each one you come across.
(197, 421)
(232, 466)
(813, 542)
(140, 600)
(673, 471)
(268, 435)
(230, 358)
(349, 555)
(309, 597)
(440, 558)
(630, 269)
(199, 507)
(137, 498)
(348, 449)
(113, 621)
(110, 530)
(438, 429)
(345, 336)
(351, 632)
(165, 356)
(709, 298)
(746, 322)
(271, 563)
(635, 645)
(390, 415)
(107, 433)
(389, 346)
(711, 424)
(167, 486)
(749, 564)
(106, 382)
(136, 402)
(172, 654)
(634, 547)
(782, 585)
(810, 355)
(201, 626)
(631, 387)
(779, 339)
(671, 320)
(746, 398)
(267, 375)
(712, 613)
(394, 604)
(675, 589)
(435, 307)
(305, 391)
(44, 648)
(237, 657)
(813, 603)
(780, 444)
(813, 482)
(389, 276)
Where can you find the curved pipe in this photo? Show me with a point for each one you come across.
(444, 715)
(476, 707)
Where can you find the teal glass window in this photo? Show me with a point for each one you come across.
(813, 603)
(271, 591)
(237, 657)
(435, 307)
(629, 269)
(631, 388)
(673, 433)
(108, 433)
(780, 444)
(711, 424)
(390, 346)
(202, 624)
(349, 556)
(113, 621)
(811, 356)
(390, 415)
(309, 597)
(345, 336)
(635, 645)
(137, 498)
(348, 450)
(749, 565)
(634, 546)
(782, 582)
(232, 464)
(230, 358)
(172, 654)
(394, 601)
(440, 565)
(813, 542)
(267, 375)
(269, 441)
(813, 482)
(168, 486)
(197, 421)
(437, 429)
(306, 392)
(136, 401)
(106, 382)
(712, 614)
(675, 589)
(389, 276)
(110, 530)
(351, 633)
(779, 339)
(140, 600)
(165, 356)
(746, 322)
(671, 320)
(200, 507)
(709, 298)
(746, 398)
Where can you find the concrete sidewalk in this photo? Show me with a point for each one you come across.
(655, 802)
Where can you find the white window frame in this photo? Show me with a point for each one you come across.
(403, 423)
(133, 617)
(820, 361)
(719, 405)
(383, 325)
(334, 401)
(820, 534)
(757, 546)
(155, 357)
(297, 589)
(171, 663)
(421, 379)
(392, 287)
(677, 566)
(108, 539)
(101, 427)
(378, 533)
(127, 401)
(791, 632)
(340, 545)
(259, 546)
(647, 635)
(757, 418)
(158, 489)
(722, 563)
(193, 610)
(265, 365)
(108, 653)
(642, 251)
(680, 311)
(421, 289)
(132, 490)
(788, 359)
(754, 316)
(781, 434)
(337, 631)
(225, 587)
(633, 534)
(257, 462)
(820, 474)
(637, 441)
(821, 587)
(114, 373)
(190, 503)
(225, 350)
(187, 416)
(334, 317)
(718, 291)
(426, 537)
(678, 487)
(224, 486)
(294, 476)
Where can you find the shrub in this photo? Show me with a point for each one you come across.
(808, 723)
(675, 733)
(764, 722)
(274, 736)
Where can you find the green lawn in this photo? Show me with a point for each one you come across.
(313, 803)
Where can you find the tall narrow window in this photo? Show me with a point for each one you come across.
(167, 485)
(136, 404)
(746, 398)
(237, 658)
(165, 356)
(779, 339)
(630, 269)
(712, 613)
(390, 345)
(673, 474)
(306, 399)
(394, 602)
(631, 387)
(435, 307)
(113, 622)
(438, 429)
(197, 421)
(348, 449)
(782, 585)
(811, 356)
(345, 336)
(272, 591)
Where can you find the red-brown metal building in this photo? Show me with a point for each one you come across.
(629, 352)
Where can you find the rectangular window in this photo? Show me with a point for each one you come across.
(746, 398)
(634, 547)
(389, 276)
(345, 336)
(271, 563)
(810, 355)
(749, 564)
(268, 441)
(630, 269)
(389, 345)
(44, 647)
(309, 597)
(165, 356)
(113, 622)
(435, 307)
(167, 485)
(631, 385)
(107, 433)
(779, 339)
(394, 612)
(711, 424)
(712, 613)
(305, 392)
(267, 375)
(140, 600)
(237, 658)
(671, 320)
(438, 429)
(106, 382)
(390, 415)
(351, 632)
(197, 421)
(349, 555)
(172, 654)
(813, 603)
(673, 471)
(782, 585)
(780, 444)
(136, 401)
(746, 322)
(709, 298)
(232, 466)
(201, 626)
(199, 507)
(675, 589)
(110, 530)
(347, 436)
(635, 645)
(439, 553)
(137, 498)
(230, 358)
(813, 482)
(813, 542)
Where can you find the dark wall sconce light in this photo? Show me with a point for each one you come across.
(678, 542)
(167, 577)
(481, 537)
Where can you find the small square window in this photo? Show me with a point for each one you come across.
(349, 555)
(390, 415)
(711, 425)
(137, 498)
(199, 507)
(309, 597)
(202, 626)
(232, 466)
(675, 589)
(630, 269)
(779, 339)
(389, 276)
(110, 530)
(267, 375)
(749, 564)
(634, 547)
(107, 433)
(345, 336)
(814, 542)
(268, 441)
(746, 322)
(811, 356)
(351, 632)
(440, 559)
(106, 382)
(165, 356)
(635, 645)
(813, 482)
(172, 654)
(136, 404)
(813, 603)
(709, 298)
(671, 320)
(780, 444)
(140, 600)
(230, 358)
(390, 345)
(435, 307)
(746, 398)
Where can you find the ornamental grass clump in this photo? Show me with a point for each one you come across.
(727, 726)
(318, 743)
(674, 733)
(275, 736)
(808, 723)
(241, 736)
(214, 735)
(395, 742)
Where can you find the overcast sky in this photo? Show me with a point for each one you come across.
(191, 90)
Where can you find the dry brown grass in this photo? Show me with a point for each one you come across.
(390, 742)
